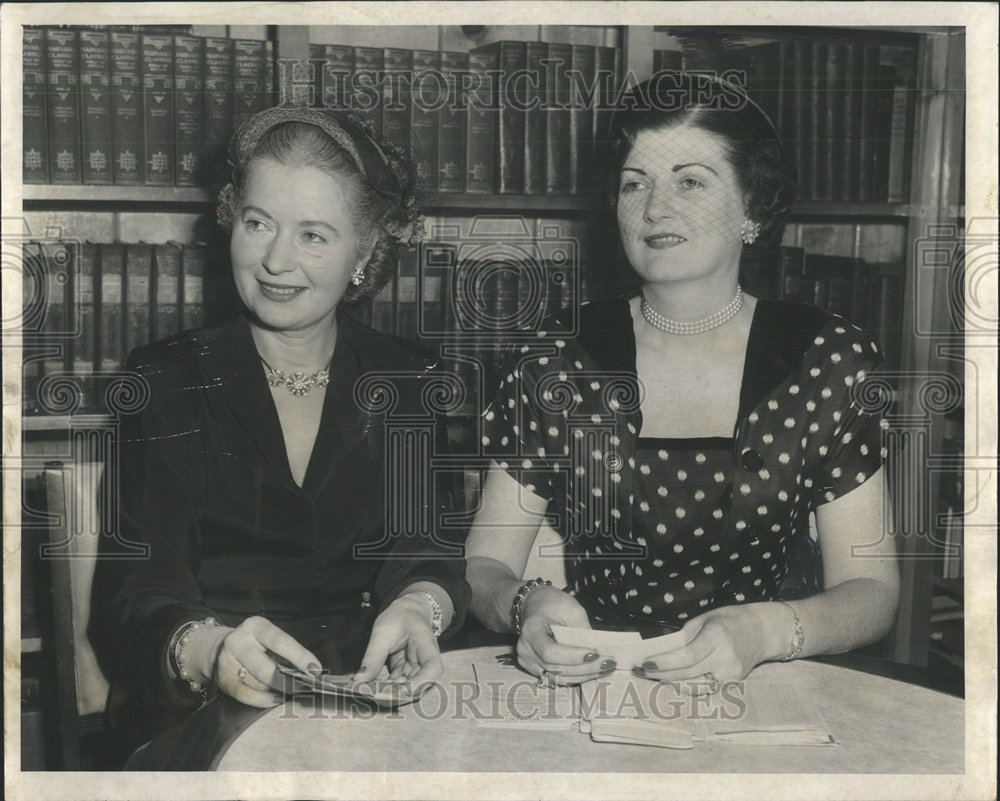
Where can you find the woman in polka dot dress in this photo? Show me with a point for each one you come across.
(682, 438)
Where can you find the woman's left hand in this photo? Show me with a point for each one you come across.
(723, 645)
(403, 639)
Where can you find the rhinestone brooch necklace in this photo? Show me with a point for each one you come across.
(686, 329)
(298, 383)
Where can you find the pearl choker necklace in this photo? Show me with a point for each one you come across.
(298, 383)
(668, 326)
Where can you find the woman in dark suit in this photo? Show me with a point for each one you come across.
(255, 477)
(685, 435)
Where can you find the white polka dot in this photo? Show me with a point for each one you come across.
(835, 358)
(753, 418)
(680, 512)
(699, 531)
(746, 568)
(719, 478)
(840, 329)
(740, 597)
(682, 475)
(829, 496)
(856, 347)
(762, 510)
(578, 434)
(661, 528)
(596, 455)
(793, 389)
(560, 343)
(819, 341)
(811, 406)
(741, 524)
(764, 473)
(744, 489)
(668, 597)
(715, 548)
(595, 418)
(849, 380)
(814, 372)
(532, 425)
(863, 449)
(766, 554)
(616, 477)
(768, 439)
(595, 385)
(578, 364)
(526, 464)
(678, 549)
(510, 403)
(782, 495)
(597, 492)
(543, 360)
(822, 450)
(553, 431)
(813, 428)
(504, 440)
(631, 428)
(717, 514)
(638, 570)
(525, 349)
(772, 405)
(703, 602)
(860, 478)
(504, 465)
(486, 440)
(647, 609)
(699, 495)
(644, 469)
(709, 570)
(688, 585)
(657, 563)
(807, 483)
(789, 422)
(836, 472)
(825, 392)
(661, 491)
(700, 458)
(541, 452)
(784, 458)
(644, 506)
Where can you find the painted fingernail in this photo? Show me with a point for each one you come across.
(609, 664)
(591, 656)
(649, 666)
(638, 671)
(314, 669)
(606, 671)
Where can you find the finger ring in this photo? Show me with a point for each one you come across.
(543, 678)
(713, 683)
(242, 673)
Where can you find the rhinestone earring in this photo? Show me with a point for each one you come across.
(749, 232)
(358, 275)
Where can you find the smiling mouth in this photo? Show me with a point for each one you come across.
(664, 240)
(279, 293)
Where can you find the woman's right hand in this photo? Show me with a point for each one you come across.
(537, 649)
(243, 662)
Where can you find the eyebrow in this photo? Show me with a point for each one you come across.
(675, 168)
(302, 223)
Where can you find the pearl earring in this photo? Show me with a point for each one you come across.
(358, 275)
(749, 232)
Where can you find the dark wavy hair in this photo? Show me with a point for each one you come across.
(380, 179)
(671, 99)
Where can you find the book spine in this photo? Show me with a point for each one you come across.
(366, 90)
(791, 261)
(127, 147)
(817, 116)
(112, 270)
(834, 111)
(511, 129)
(158, 108)
(535, 118)
(85, 362)
(219, 107)
(166, 303)
(801, 123)
(480, 167)
(138, 294)
(251, 83)
(406, 294)
(452, 122)
(333, 75)
(383, 316)
(867, 86)
(189, 80)
(557, 113)
(582, 101)
(396, 97)
(889, 313)
(882, 112)
(607, 69)
(432, 304)
(62, 58)
(57, 262)
(95, 107)
(192, 286)
(424, 116)
(786, 87)
(34, 288)
(903, 109)
(34, 113)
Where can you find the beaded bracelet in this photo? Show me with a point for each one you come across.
(522, 593)
(437, 616)
(176, 652)
(798, 636)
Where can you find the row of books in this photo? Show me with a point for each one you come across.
(116, 107)
(86, 305)
(508, 117)
(845, 112)
(868, 295)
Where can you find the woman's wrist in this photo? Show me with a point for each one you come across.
(779, 624)
(435, 600)
(196, 653)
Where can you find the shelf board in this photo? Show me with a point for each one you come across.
(69, 197)
(56, 422)
(31, 645)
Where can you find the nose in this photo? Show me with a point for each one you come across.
(659, 204)
(280, 256)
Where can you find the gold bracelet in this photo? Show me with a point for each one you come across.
(798, 636)
(522, 593)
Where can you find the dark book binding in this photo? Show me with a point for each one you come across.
(138, 294)
(424, 116)
(192, 293)
(833, 121)
(110, 286)
(251, 79)
(34, 138)
(557, 114)
(582, 102)
(452, 123)
(480, 158)
(903, 62)
(95, 107)
(127, 146)
(868, 133)
(817, 150)
(608, 67)
(87, 316)
(158, 108)
(219, 108)
(535, 117)
(396, 97)
(62, 61)
(789, 274)
(189, 80)
(802, 118)
(166, 292)
(510, 133)
(58, 263)
(366, 88)
(847, 280)
(333, 75)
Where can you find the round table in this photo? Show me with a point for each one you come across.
(881, 726)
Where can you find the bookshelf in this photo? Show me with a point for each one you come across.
(878, 231)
